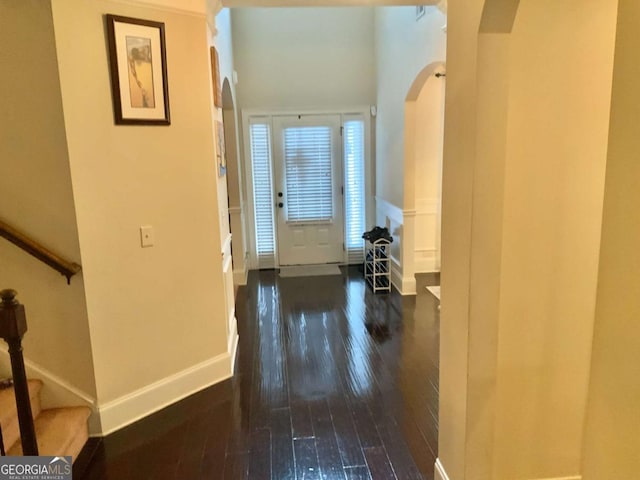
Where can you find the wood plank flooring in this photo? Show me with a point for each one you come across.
(332, 382)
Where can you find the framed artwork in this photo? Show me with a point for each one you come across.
(215, 80)
(137, 57)
(220, 149)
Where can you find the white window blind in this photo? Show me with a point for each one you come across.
(354, 172)
(263, 192)
(309, 191)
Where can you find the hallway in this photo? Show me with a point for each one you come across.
(331, 382)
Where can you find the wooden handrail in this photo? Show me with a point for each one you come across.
(66, 268)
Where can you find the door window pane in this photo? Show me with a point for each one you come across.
(308, 174)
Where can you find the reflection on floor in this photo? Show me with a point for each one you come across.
(332, 382)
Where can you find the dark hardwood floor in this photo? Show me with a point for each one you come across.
(332, 382)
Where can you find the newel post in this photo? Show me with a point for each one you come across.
(13, 325)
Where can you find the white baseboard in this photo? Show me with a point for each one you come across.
(240, 276)
(129, 408)
(233, 350)
(232, 341)
(440, 473)
(575, 477)
(396, 274)
(408, 286)
(390, 210)
(404, 285)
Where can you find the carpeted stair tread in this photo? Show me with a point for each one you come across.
(60, 432)
(9, 413)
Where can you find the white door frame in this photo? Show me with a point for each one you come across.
(309, 251)
(365, 111)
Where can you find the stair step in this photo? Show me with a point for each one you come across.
(9, 412)
(60, 432)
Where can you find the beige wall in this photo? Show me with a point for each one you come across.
(558, 119)
(612, 441)
(404, 47)
(486, 250)
(304, 58)
(463, 19)
(527, 116)
(156, 311)
(37, 197)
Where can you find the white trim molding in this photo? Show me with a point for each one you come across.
(440, 473)
(575, 477)
(232, 344)
(194, 8)
(226, 245)
(396, 274)
(136, 405)
(241, 276)
(397, 220)
(427, 231)
(404, 285)
(392, 211)
(268, 115)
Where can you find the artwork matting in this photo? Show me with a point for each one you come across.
(137, 57)
(221, 149)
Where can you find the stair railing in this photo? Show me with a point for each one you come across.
(13, 326)
(65, 267)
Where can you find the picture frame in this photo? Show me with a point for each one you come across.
(138, 67)
(215, 78)
(221, 151)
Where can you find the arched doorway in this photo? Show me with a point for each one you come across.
(235, 187)
(423, 146)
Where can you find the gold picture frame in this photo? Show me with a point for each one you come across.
(215, 78)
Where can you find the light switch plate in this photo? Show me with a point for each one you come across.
(146, 236)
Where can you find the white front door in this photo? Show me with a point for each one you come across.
(308, 168)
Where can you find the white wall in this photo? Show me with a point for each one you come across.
(404, 48)
(304, 57)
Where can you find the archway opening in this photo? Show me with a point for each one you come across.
(424, 126)
(235, 194)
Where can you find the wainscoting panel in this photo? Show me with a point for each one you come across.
(427, 232)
